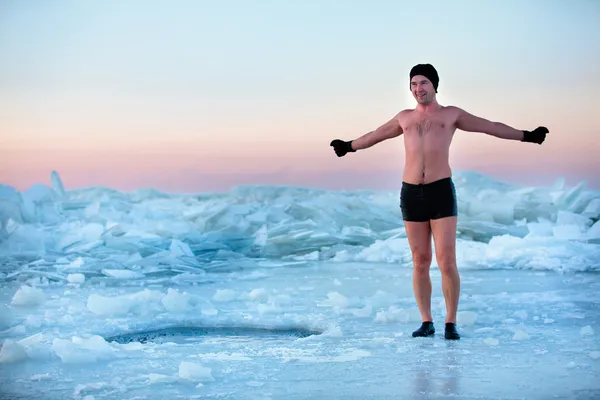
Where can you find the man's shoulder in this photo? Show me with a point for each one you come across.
(404, 113)
(452, 113)
(453, 109)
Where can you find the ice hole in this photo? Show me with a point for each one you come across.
(183, 334)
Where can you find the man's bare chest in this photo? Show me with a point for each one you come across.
(427, 125)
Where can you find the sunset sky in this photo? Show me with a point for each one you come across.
(200, 96)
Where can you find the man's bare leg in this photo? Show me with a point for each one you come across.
(444, 237)
(419, 240)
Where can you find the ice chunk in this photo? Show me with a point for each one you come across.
(40, 377)
(83, 236)
(177, 302)
(33, 207)
(32, 341)
(81, 389)
(12, 352)
(102, 305)
(593, 209)
(568, 232)
(122, 273)
(257, 294)
(520, 335)
(15, 330)
(24, 240)
(76, 263)
(160, 378)
(595, 355)
(594, 232)
(571, 226)
(10, 204)
(381, 299)
(587, 330)
(92, 210)
(179, 249)
(466, 318)
(336, 300)
(6, 317)
(540, 228)
(541, 253)
(496, 203)
(224, 295)
(363, 312)
(11, 226)
(140, 302)
(268, 308)
(57, 184)
(261, 236)
(394, 314)
(520, 314)
(76, 278)
(195, 372)
(570, 218)
(567, 197)
(82, 350)
(28, 296)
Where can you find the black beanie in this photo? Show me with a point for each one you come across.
(428, 71)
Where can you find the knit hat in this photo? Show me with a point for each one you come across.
(428, 71)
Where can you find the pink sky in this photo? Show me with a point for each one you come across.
(126, 140)
(199, 167)
(172, 146)
(202, 99)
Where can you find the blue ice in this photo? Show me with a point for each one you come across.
(269, 292)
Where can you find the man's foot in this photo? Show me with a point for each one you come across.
(450, 331)
(425, 330)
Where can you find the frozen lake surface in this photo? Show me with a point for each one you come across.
(525, 335)
(269, 293)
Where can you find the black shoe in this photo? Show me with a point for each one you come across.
(425, 330)
(450, 331)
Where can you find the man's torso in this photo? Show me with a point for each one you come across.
(427, 139)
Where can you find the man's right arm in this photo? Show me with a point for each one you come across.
(386, 131)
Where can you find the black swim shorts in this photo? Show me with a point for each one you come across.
(422, 202)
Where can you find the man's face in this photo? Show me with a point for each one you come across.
(422, 89)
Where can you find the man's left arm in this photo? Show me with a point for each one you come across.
(471, 123)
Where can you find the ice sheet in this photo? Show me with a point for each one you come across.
(80, 266)
(538, 331)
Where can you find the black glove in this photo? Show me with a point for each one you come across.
(537, 136)
(341, 148)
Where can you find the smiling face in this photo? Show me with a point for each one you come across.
(422, 89)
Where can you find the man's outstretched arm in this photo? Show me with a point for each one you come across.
(386, 131)
(471, 123)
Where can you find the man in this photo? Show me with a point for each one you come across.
(428, 197)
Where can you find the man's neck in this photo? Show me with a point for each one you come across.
(433, 106)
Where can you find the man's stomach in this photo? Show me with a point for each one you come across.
(422, 172)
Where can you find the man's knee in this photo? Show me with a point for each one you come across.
(421, 260)
(446, 260)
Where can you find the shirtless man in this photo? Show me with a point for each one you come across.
(428, 197)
